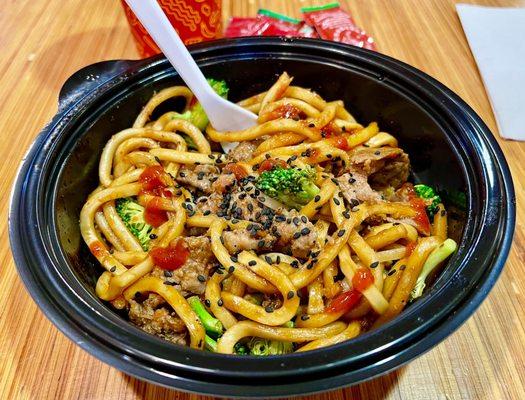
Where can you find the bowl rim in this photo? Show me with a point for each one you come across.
(144, 366)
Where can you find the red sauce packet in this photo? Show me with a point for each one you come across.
(333, 23)
(268, 23)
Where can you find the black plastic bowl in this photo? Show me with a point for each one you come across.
(449, 147)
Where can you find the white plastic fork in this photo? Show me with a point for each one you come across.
(223, 114)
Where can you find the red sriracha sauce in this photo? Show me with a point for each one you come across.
(286, 111)
(344, 302)
(362, 279)
(154, 214)
(418, 204)
(97, 249)
(270, 164)
(340, 142)
(172, 257)
(410, 248)
(236, 169)
(153, 178)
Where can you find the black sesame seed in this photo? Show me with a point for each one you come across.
(261, 199)
(278, 259)
(207, 303)
(305, 317)
(231, 269)
(182, 174)
(113, 269)
(443, 213)
(377, 152)
(305, 231)
(311, 125)
(168, 274)
(317, 198)
(290, 295)
(304, 219)
(211, 156)
(268, 259)
(234, 259)
(297, 235)
(250, 207)
(153, 236)
(351, 180)
(267, 156)
(366, 145)
(220, 302)
(296, 221)
(346, 214)
(341, 232)
(201, 278)
(261, 243)
(252, 263)
(268, 309)
(402, 268)
(207, 212)
(295, 264)
(337, 202)
(280, 218)
(374, 264)
(391, 272)
(189, 207)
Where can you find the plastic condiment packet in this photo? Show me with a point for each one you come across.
(333, 23)
(269, 23)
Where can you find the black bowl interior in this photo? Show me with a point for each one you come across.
(449, 148)
(368, 98)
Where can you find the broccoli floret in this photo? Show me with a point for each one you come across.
(430, 195)
(211, 324)
(292, 186)
(265, 347)
(210, 344)
(436, 257)
(455, 198)
(196, 114)
(132, 214)
(241, 349)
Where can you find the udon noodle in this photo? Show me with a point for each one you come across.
(305, 235)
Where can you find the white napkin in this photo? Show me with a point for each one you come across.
(497, 39)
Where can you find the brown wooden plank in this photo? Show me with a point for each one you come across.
(43, 42)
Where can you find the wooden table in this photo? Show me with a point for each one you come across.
(42, 42)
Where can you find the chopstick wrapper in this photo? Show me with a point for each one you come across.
(497, 39)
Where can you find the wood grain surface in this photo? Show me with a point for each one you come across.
(42, 42)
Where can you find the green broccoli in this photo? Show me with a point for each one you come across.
(210, 344)
(266, 347)
(436, 257)
(455, 198)
(431, 197)
(196, 114)
(211, 324)
(241, 349)
(292, 186)
(132, 214)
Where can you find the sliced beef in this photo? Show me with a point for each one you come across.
(242, 239)
(355, 188)
(154, 316)
(242, 152)
(200, 177)
(223, 183)
(209, 204)
(192, 276)
(384, 166)
(295, 232)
